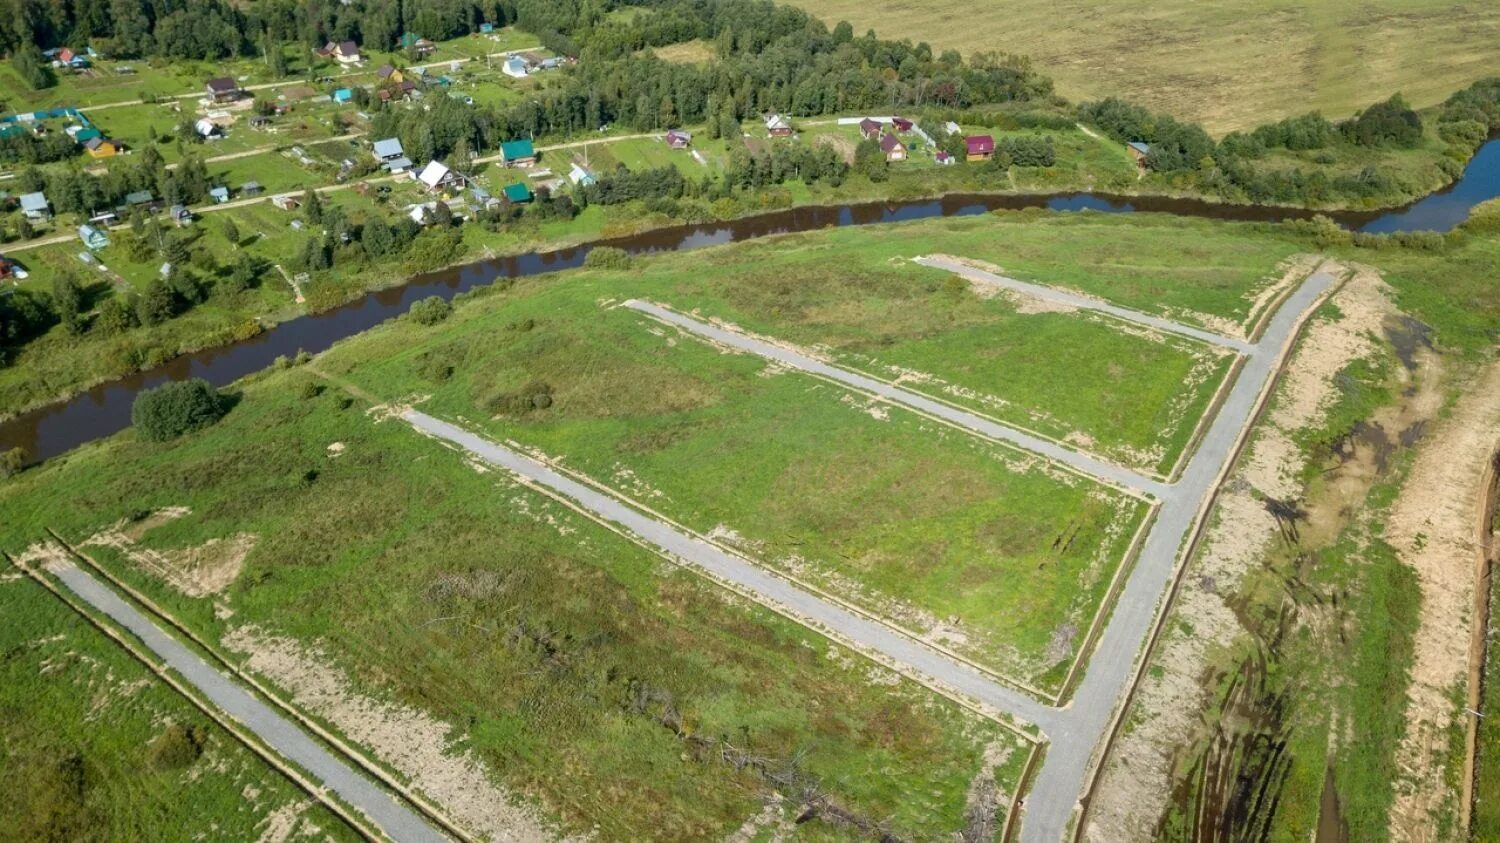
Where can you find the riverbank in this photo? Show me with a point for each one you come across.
(59, 366)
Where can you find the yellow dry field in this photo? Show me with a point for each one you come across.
(1230, 64)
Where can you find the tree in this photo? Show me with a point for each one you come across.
(67, 301)
(377, 238)
(116, 315)
(312, 206)
(231, 231)
(33, 68)
(174, 409)
(157, 304)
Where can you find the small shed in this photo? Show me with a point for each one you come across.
(220, 195)
(869, 128)
(180, 215)
(581, 176)
(250, 188)
(902, 124)
(206, 128)
(343, 95)
(139, 197)
(1138, 151)
(397, 166)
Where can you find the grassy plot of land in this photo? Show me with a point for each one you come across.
(989, 550)
(1096, 383)
(93, 746)
(579, 672)
(1230, 65)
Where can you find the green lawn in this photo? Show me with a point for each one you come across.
(1085, 380)
(588, 675)
(80, 722)
(918, 523)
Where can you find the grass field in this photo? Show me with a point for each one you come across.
(1087, 381)
(1230, 65)
(590, 678)
(1003, 559)
(82, 752)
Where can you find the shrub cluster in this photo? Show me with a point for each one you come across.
(173, 409)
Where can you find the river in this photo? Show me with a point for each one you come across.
(105, 409)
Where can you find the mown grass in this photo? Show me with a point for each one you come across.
(1093, 382)
(1230, 65)
(80, 721)
(914, 521)
(553, 647)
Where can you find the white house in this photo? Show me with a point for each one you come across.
(437, 176)
(514, 66)
(206, 128)
(579, 175)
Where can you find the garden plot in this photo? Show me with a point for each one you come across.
(396, 589)
(991, 552)
(1127, 393)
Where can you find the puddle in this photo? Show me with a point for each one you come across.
(1331, 825)
(1408, 336)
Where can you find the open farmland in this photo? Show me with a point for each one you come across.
(1230, 65)
(92, 745)
(566, 659)
(969, 544)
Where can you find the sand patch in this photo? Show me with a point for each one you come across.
(413, 743)
(985, 796)
(280, 824)
(336, 450)
(1432, 528)
(196, 570)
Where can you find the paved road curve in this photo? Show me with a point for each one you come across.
(1083, 303)
(396, 820)
(691, 550)
(1091, 466)
(1055, 793)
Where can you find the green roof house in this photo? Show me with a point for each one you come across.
(517, 193)
(518, 153)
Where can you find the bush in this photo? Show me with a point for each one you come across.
(12, 462)
(533, 396)
(430, 311)
(173, 409)
(607, 257)
(178, 747)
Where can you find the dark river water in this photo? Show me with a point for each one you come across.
(105, 409)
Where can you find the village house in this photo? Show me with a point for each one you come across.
(284, 201)
(223, 89)
(778, 126)
(979, 147)
(250, 188)
(220, 195)
(678, 139)
(388, 73)
(388, 149)
(518, 153)
(207, 128)
(893, 148)
(870, 129)
(35, 206)
(1138, 152)
(93, 238)
(952, 128)
(99, 147)
(437, 176)
(342, 95)
(580, 175)
(421, 46)
(902, 124)
(517, 193)
(180, 215)
(344, 52)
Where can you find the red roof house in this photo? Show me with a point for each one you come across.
(869, 128)
(979, 147)
(893, 148)
(902, 124)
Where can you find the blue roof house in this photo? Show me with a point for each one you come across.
(343, 95)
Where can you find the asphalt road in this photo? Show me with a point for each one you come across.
(396, 820)
(691, 550)
(1092, 466)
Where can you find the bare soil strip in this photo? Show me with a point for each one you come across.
(968, 271)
